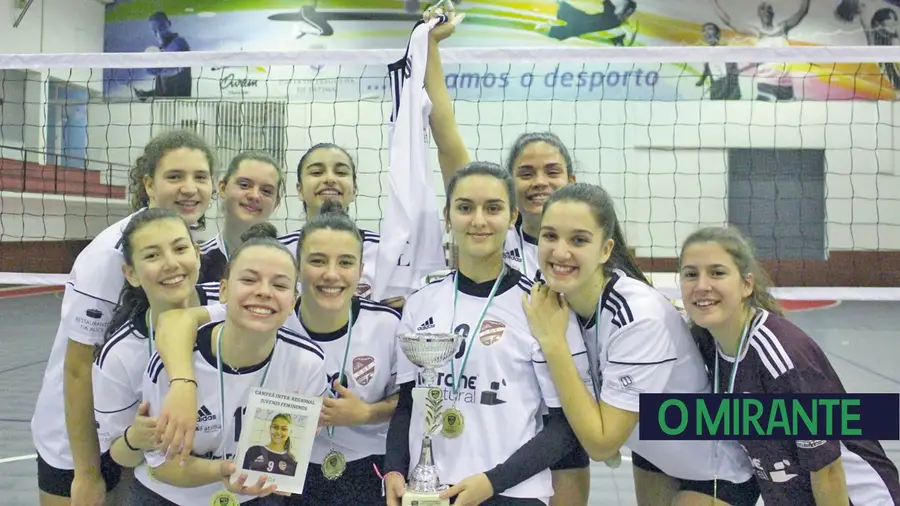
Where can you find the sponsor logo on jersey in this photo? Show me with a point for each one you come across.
(93, 321)
(205, 415)
(363, 369)
(428, 324)
(491, 332)
(206, 420)
(810, 444)
(491, 397)
(513, 255)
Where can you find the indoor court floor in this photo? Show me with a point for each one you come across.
(861, 338)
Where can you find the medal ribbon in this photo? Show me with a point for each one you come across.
(330, 428)
(474, 333)
(745, 338)
(148, 318)
(224, 248)
(220, 368)
(522, 251)
(594, 351)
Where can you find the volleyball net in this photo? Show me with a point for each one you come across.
(801, 152)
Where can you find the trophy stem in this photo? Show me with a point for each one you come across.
(426, 456)
(424, 477)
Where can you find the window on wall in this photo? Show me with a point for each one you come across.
(66, 124)
(12, 107)
(776, 197)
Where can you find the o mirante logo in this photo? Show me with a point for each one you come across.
(804, 417)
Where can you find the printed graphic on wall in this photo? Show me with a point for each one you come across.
(278, 25)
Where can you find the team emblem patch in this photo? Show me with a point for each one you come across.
(491, 332)
(362, 289)
(282, 466)
(363, 369)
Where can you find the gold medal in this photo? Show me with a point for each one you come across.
(224, 498)
(453, 423)
(334, 465)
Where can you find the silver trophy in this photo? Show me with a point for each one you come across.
(430, 352)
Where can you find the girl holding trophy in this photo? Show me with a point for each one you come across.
(488, 398)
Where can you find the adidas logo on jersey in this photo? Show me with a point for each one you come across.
(205, 415)
(429, 324)
(513, 255)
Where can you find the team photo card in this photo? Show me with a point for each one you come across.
(278, 438)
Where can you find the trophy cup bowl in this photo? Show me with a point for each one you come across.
(430, 351)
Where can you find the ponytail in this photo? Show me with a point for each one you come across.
(132, 302)
(621, 257)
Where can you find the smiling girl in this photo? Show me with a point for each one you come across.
(250, 190)
(161, 266)
(275, 457)
(358, 337)
(249, 349)
(758, 351)
(637, 342)
(174, 172)
(498, 377)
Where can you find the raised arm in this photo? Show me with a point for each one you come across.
(798, 16)
(452, 152)
(726, 18)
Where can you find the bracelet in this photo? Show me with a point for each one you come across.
(185, 380)
(398, 473)
(125, 437)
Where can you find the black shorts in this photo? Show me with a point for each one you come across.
(575, 459)
(58, 482)
(736, 494)
(359, 484)
(140, 495)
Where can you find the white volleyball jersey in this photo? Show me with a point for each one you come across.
(90, 298)
(370, 248)
(370, 372)
(415, 246)
(296, 365)
(213, 260)
(119, 370)
(520, 251)
(639, 343)
(504, 385)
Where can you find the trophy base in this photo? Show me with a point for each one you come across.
(411, 498)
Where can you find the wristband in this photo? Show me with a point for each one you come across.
(125, 437)
(185, 380)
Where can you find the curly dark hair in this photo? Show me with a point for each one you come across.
(154, 151)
